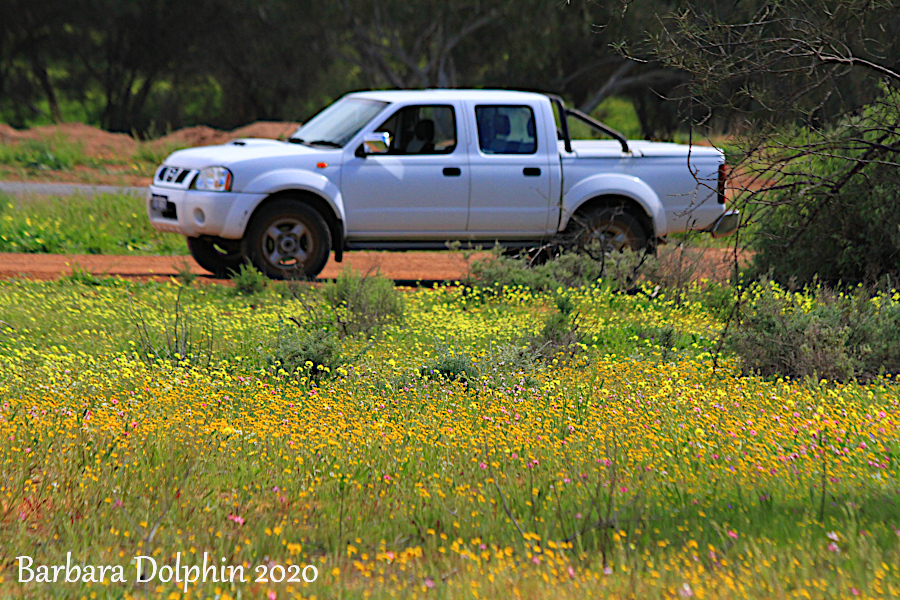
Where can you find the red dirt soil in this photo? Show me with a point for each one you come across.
(401, 266)
(695, 264)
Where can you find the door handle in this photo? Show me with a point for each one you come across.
(531, 172)
(452, 172)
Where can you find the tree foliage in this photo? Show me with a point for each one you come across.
(809, 90)
(157, 64)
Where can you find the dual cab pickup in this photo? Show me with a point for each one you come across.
(403, 170)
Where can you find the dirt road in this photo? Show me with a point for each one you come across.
(405, 268)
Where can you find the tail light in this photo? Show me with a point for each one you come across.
(723, 179)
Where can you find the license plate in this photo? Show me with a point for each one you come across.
(158, 202)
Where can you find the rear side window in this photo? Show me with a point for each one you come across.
(421, 130)
(506, 129)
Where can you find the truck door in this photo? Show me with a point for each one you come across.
(511, 172)
(420, 187)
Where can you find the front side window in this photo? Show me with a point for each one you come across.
(421, 130)
(337, 124)
(506, 129)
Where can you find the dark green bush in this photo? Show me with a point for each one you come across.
(310, 349)
(824, 334)
(837, 218)
(452, 363)
(363, 303)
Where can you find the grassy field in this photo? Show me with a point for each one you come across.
(634, 464)
(81, 224)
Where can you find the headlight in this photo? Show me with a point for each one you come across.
(213, 179)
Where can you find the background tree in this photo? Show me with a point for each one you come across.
(152, 65)
(31, 37)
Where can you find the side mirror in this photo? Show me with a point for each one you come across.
(375, 143)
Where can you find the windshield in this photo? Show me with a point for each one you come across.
(338, 123)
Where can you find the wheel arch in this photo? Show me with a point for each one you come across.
(629, 204)
(611, 188)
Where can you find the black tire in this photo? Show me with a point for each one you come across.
(219, 256)
(612, 226)
(288, 239)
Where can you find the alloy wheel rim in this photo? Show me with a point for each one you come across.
(287, 243)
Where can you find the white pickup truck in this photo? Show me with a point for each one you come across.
(404, 170)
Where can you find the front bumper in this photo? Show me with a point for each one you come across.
(193, 213)
(726, 224)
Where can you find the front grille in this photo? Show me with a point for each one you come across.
(170, 175)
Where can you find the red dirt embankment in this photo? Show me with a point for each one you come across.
(99, 144)
(114, 151)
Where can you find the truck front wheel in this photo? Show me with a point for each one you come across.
(219, 256)
(288, 240)
(611, 227)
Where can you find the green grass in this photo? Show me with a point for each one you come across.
(79, 224)
(152, 155)
(52, 154)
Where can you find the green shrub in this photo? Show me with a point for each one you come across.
(363, 303)
(620, 270)
(823, 334)
(837, 218)
(452, 363)
(248, 281)
(310, 349)
(560, 333)
(81, 276)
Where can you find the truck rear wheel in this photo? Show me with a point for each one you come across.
(219, 256)
(612, 227)
(288, 239)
